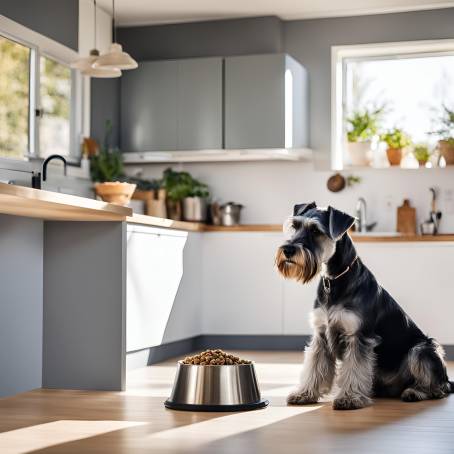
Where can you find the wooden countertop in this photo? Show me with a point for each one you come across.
(358, 238)
(166, 223)
(36, 203)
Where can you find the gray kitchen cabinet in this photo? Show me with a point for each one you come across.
(199, 110)
(265, 102)
(149, 107)
(172, 105)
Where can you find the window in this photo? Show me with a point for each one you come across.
(40, 98)
(14, 98)
(55, 113)
(411, 84)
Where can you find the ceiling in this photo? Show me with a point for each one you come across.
(146, 12)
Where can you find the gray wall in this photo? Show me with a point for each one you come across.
(21, 304)
(105, 105)
(203, 39)
(57, 19)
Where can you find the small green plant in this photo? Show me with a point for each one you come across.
(396, 138)
(363, 125)
(181, 184)
(107, 164)
(353, 179)
(446, 130)
(421, 153)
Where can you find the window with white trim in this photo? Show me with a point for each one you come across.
(410, 84)
(40, 102)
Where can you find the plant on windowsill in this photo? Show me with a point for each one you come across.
(187, 197)
(396, 140)
(422, 154)
(446, 135)
(362, 127)
(106, 169)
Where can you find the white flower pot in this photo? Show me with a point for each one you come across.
(360, 153)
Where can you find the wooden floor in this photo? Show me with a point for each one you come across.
(48, 421)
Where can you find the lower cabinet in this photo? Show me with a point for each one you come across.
(181, 285)
(161, 286)
(419, 277)
(242, 291)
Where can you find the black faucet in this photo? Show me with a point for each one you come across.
(36, 177)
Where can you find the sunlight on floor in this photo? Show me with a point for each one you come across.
(229, 425)
(27, 439)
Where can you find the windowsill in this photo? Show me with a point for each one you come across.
(395, 168)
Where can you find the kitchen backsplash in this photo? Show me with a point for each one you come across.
(269, 189)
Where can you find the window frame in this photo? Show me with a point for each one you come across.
(41, 45)
(340, 55)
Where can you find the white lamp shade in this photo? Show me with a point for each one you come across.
(102, 73)
(86, 63)
(115, 58)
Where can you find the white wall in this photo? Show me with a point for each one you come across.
(270, 189)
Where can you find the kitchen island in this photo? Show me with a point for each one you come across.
(89, 289)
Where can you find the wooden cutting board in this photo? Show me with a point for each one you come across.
(406, 219)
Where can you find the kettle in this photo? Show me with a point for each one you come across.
(231, 213)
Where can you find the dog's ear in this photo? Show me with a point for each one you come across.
(300, 209)
(339, 223)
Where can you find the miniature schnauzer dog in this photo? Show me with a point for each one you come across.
(362, 338)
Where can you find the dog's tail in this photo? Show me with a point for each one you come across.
(452, 387)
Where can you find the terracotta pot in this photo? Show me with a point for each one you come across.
(115, 192)
(447, 151)
(360, 153)
(394, 156)
(174, 209)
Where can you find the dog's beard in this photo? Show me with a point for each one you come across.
(302, 267)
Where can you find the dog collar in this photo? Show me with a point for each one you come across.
(327, 280)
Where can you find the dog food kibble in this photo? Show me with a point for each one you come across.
(214, 358)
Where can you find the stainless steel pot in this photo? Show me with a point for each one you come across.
(195, 209)
(231, 213)
(215, 388)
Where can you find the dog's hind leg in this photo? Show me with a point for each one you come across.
(317, 376)
(428, 373)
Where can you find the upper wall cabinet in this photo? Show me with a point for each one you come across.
(172, 105)
(149, 107)
(199, 104)
(265, 102)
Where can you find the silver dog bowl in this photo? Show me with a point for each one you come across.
(215, 388)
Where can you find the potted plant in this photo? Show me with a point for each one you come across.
(106, 169)
(186, 197)
(422, 154)
(362, 127)
(396, 140)
(446, 134)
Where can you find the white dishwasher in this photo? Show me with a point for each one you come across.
(154, 272)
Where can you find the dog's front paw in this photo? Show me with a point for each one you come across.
(300, 397)
(351, 402)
